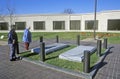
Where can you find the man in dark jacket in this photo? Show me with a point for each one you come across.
(13, 44)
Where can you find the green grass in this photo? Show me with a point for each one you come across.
(113, 38)
(54, 59)
(50, 35)
(5, 36)
(32, 56)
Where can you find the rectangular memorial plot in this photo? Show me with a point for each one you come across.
(76, 54)
(50, 48)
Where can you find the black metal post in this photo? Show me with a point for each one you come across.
(105, 43)
(86, 61)
(17, 48)
(41, 38)
(57, 39)
(95, 19)
(42, 51)
(99, 47)
(78, 40)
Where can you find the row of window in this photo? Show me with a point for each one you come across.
(60, 25)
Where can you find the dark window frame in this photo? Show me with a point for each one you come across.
(76, 23)
(58, 25)
(4, 25)
(20, 27)
(114, 26)
(91, 24)
(39, 25)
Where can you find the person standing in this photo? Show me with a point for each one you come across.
(27, 38)
(13, 44)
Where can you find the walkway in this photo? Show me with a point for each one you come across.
(26, 70)
(111, 65)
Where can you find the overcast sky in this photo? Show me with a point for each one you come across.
(58, 6)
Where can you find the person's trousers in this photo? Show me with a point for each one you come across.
(26, 45)
(12, 51)
(17, 48)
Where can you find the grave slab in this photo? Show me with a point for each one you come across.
(76, 54)
(50, 48)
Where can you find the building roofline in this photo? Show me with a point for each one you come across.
(107, 11)
(64, 14)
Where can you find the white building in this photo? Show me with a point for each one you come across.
(107, 21)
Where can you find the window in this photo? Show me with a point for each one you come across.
(58, 25)
(4, 26)
(39, 25)
(114, 24)
(20, 25)
(89, 24)
(75, 25)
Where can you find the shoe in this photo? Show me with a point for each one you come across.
(12, 59)
(20, 58)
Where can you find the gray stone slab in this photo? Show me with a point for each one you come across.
(50, 48)
(76, 54)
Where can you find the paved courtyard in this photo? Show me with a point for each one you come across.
(111, 65)
(26, 70)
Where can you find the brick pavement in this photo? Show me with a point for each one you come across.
(111, 65)
(3, 43)
(25, 70)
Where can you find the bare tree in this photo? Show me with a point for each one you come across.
(7, 14)
(68, 11)
(11, 14)
(1, 15)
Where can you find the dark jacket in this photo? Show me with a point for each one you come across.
(12, 35)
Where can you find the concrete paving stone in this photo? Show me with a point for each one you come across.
(110, 70)
(26, 70)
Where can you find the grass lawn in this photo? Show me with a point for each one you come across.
(113, 38)
(54, 59)
(52, 35)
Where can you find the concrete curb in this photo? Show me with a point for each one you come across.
(70, 72)
(67, 71)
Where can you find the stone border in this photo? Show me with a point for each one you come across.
(70, 72)
(67, 71)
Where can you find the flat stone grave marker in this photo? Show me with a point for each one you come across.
(50, 48)
(76, 54)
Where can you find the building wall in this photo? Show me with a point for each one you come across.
(102, 17)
